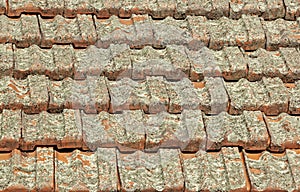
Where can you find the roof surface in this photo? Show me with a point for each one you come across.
(150, 95)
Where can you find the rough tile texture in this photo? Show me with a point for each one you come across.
(44, 7)
(6, 59)
(229, 63)
(114, 31)
(292, 59)
(56, 63)
(90, 95)
(86, 171)
(151, 171)
(284, 131)
(269, 9)
(245, 95)
(23, 31)
(278, 96)
(61, 129)
(30, 171)
(292, 9)
(10, 127)
(113, 62)
(293, 159)
(264, 63)
(127, 94)
(269, 172)
(182, 95)
(226, 32)
(256, 35)
(171, 32)
(247, 130)
(159, 98)
(294, 105)
(281, 33)
(125, 131)
(79, 31)
(219, 171)
(185, 131)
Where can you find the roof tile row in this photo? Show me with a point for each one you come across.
(133, 130)
(155, 94)
(173, 62)
(249, 32)
(167, 169)
(213, 9)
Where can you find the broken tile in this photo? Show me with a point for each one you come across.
(23, 31)
(150, 171)
(194, 138)
(59, 93)
(185, 131)
(64, 59)
(269, 172)
(90, 95)
(127, 8)
(2, 6)
(284, 131)
(219, 99)
(163, 130)
(10, 129)
(225, 130)
(164, 9)
(72, 8)
(55, 63)
(275, 9)
(120, 65)
(198, 7)
(15, 94)
(237, 64)
(202, 62)
(219, 9)
(180, 62)
(152, 62)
